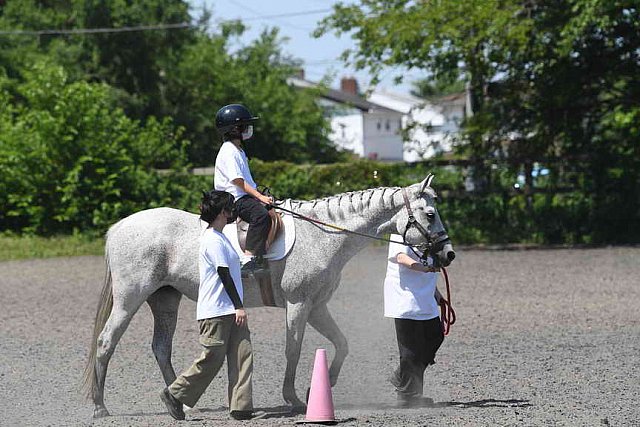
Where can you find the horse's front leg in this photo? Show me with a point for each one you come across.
(323, 322)
(297, 315)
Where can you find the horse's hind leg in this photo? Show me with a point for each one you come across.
(297, 315)
(322, 321)
(111, 333)
(164, 306)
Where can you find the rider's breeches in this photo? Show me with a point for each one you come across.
(418, 342)
(254, 212)
(220, 337)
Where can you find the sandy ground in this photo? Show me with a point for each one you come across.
(544, 337)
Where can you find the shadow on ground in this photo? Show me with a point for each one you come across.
(490, 403)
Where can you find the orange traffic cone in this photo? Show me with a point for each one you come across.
(320, 404)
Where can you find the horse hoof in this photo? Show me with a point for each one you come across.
(100, 413)
(297, 406)
(299, 409)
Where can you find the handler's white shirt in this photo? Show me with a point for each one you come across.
(408, 294)
(216, 251)
(232, 163)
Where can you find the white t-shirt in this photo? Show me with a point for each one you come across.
(408, 294)
(216, 251)
(232, 163)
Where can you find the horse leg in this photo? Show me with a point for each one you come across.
(164, 305)
(297, 315)
(111, 333)
(322, 321)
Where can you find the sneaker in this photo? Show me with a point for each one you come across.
(413, 401)
(174, 406)
(247, 415)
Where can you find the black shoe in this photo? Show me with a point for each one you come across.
(247, 415)
(174, 406)
(394, 379)
(413, 401)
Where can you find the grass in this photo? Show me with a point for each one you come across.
(25, 247)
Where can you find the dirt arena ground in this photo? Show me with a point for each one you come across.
(543, 337)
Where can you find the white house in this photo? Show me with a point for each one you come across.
(363, 127)
(372, 127)
(431, 125)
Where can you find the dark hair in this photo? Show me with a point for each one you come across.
(213, 202)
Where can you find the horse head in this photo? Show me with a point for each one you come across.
(419, 223)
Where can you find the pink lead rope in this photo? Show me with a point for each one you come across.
(447, 314)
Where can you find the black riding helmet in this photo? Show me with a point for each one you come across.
(233, 118)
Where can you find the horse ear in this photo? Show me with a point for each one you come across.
(385, 228)
(427, 182)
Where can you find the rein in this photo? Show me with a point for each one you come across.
(336, 227)
(447, 314)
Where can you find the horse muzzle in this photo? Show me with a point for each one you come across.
(443, 254)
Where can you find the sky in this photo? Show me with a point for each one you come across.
(320, 56)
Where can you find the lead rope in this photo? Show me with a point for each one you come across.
(336, 227)
(447, 313)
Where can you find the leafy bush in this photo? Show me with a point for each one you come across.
(71, 161)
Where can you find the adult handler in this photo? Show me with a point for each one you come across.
(411, 299)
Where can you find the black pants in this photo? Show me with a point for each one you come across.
(418, 342)
(254, 212)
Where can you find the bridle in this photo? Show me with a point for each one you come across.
(434, 242)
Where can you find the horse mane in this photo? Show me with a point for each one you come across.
(364, 202)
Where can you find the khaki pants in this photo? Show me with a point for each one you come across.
(220, 337)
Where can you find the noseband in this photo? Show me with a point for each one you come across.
(434, 241)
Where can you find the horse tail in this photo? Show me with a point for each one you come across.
(105, 305)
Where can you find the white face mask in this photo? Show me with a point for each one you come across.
(247, 133)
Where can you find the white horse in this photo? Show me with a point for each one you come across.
(152, 256)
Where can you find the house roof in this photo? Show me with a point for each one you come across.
(460, 96)
(342, 97)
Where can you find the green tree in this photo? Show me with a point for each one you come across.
(430, 89)
(136, 62)
(546, 79)
(291, 126)
(185, 74)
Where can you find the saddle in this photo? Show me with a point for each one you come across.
(280, 241)
(263, 277)
(274, 230)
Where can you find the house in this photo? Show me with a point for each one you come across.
(373, 127)
(363, 127)
(431, 126)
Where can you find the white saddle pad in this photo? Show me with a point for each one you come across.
(280, 247)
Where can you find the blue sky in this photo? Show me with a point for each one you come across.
(319, 55)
